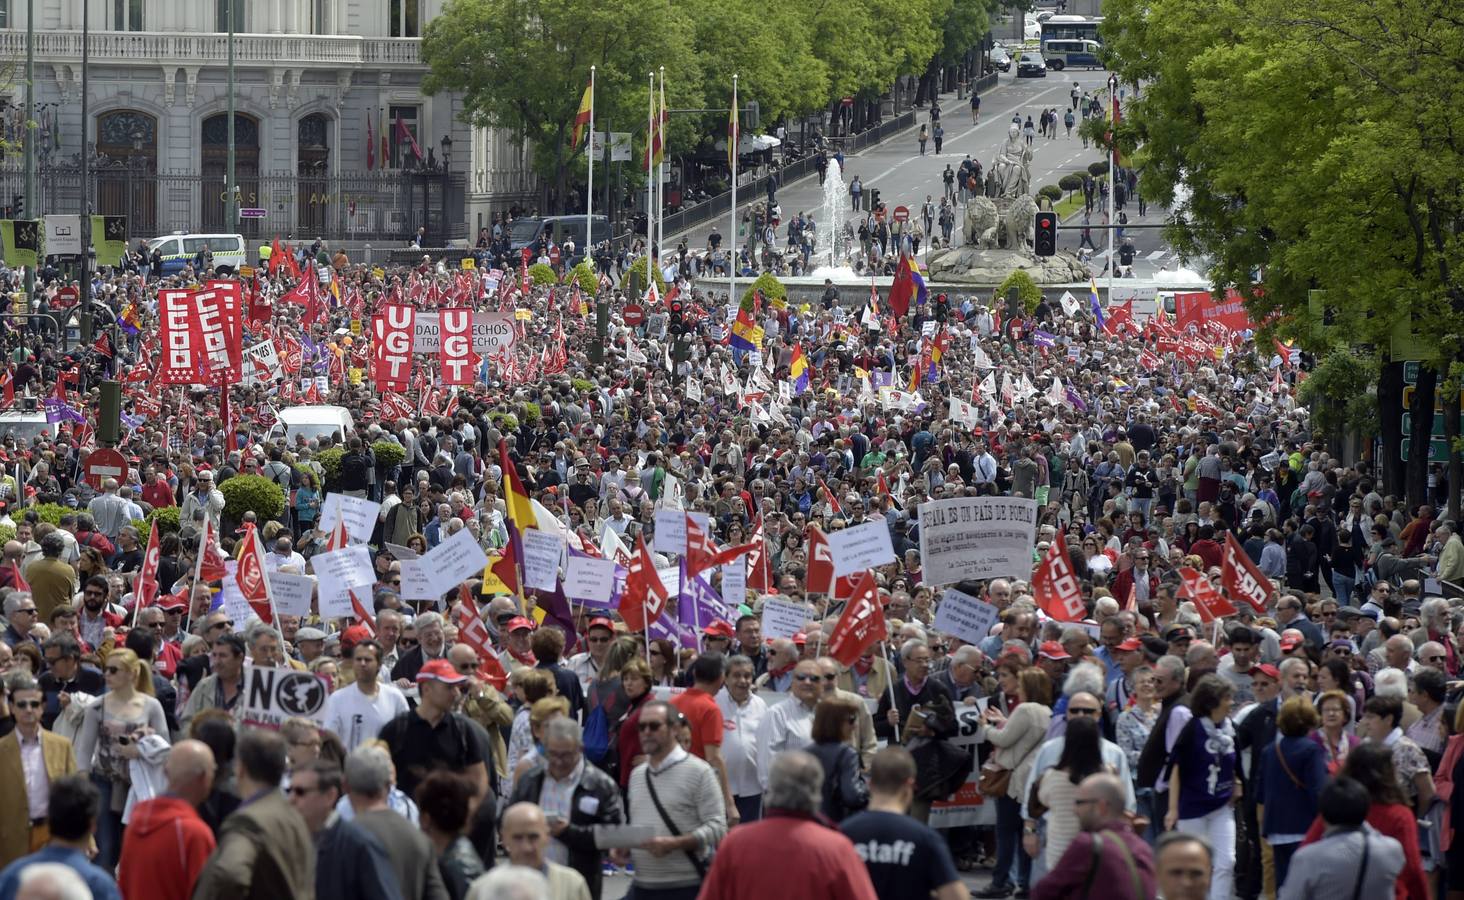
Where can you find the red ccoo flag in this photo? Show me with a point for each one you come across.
(834, 506)
(211, 561)
(473, 632)
(861, 625)
(645, 596)
(145, 590)
(252, 575)
(1242, 578)
(759, 573)
(1208, 602)
(1055, 587)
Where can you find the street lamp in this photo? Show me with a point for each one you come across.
(446, 150)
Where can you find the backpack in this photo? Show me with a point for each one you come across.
(597, 736)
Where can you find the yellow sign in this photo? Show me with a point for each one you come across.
(246, 271)
(22, 302)
(378, 273)
(468, 263)
(356, 327)
(355, 375)
(523, 315)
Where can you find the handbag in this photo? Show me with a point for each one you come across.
(994, 780)
(696, 861)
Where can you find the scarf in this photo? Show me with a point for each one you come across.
(1452, 661)
(914, 689)
(1220, 742)
(527, 659)
(862, 667)
(784, 670)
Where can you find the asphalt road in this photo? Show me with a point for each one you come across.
(904, 177)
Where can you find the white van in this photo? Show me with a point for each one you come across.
(312, 422)
(179, 249)
(24, 426)
(1074, 52)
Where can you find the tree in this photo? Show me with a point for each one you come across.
(1318, 144)
(524, 65)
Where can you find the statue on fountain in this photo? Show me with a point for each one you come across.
(999, 227)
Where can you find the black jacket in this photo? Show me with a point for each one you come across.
(1155, 755)
(596, 801)
(844, 789)
(350, 862)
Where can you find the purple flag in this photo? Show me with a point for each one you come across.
(556, 610)
(58, 411)
(1075, 400)
(699, 605)
(1043, 339)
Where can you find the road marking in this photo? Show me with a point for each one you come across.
(1157, 255)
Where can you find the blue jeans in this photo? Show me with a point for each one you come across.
(749, 808)
(1342, 588)
(1009, 845)
(109, 826)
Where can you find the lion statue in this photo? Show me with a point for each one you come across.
(1018, 224)
(981, 223)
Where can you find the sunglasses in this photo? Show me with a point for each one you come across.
(806, 678)
(406, 642)
(298, 791)
(228, 624)
(650, 726)
(1431, 659)
(29, 609)
(27, 704)
(1082, 711)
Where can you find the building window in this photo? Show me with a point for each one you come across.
(223, 10)
(4, 13)
(318, 23)
(406, 139)
(405, 18)
(126, 15)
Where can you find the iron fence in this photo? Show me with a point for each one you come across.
(383, 206)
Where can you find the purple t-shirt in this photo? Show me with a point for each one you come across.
(1206, 771)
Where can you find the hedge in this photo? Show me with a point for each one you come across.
(388, 454)
(582, 385)
(1070, 182)
(1027, 290)
(1051, 192)
(330, 461)
(52, 512)
(772, 289)
(167, 518)
(1098, 168)
(252, 493)
(638, 269)
(583, 273)
(542, 275)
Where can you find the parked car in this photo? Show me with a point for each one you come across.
(999, 59)
(1031, 65)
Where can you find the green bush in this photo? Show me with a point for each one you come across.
(388, 454)
(582, 385)
(585, 275)
(167, 518)
(638, 269)
(1071, 182)
(772, 289)
(252, 493)
(1027, 290)
(1051, 192)
(505, 422)
(330, 461)
(7, 533)
(1098, 168)
(52, 512)
(542, 275)
(532, 413)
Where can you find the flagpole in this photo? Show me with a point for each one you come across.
(650, 207)
(732, 232)
(1112, 176)
(590, 188)
(660, 188)
(890, 682)
(197, 571)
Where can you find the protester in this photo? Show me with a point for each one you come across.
(71, 820)
(526, 838)
(37, 771)
(348, 858)
(167, 843)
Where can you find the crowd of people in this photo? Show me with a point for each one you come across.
(505, 743)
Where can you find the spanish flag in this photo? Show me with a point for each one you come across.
(515, 498)
(582, 118)
(798, 370)
(746, 333)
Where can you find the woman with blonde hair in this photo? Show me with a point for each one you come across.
(540, 714)
(109, 739)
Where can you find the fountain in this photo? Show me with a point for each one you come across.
(833, 216)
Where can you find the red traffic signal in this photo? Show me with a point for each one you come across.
(1045, 233)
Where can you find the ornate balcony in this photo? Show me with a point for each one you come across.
(148, 48)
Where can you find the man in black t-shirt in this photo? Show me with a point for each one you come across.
(432, 736)
(906, 860)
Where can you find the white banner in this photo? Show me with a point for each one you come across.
(862, 547)
(670, 534)
(977, 537)
(337, 572)
(587, 578)
(734, 582)
(968, 618)
(63, 235)
(781, 619)
(542, 550)
(452, 562)
(358, 513)
(415, 585)
(273, 695)
(292, 593)
(493, 332)
(963, 413)
(262, 364)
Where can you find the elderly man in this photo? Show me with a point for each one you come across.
(53, 580)
(788, 724)
(575, 797)
(65, 676)
(349, 860)
(108, 510)
(1436, 625)
(599, 635)
(742, 714)
(368, 781)
(205, 499)
(20, 618)
(167, 843)
(431, 645)
(813, 860)
(781, 660)
(31, 760)
(1123, 861)
(283, 555)
(963, 676)
(526, 838)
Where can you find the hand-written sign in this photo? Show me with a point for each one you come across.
(977, 537)
(964, 616)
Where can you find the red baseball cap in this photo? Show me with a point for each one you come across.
(1267, 670)
(1053, 650)
(1290, 642)
(172, 601)
(800, 639)
(599, 622)
(719, 629)
(1130, 645)
(518, 622)
(353, 636)
(440, 670)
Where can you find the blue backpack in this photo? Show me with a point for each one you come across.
(597, 735)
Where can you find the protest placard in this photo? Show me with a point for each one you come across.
(964, 616)
(542, 551)
(588, 578)
(670, 534)
(976, 537)
(273, 695)
(358, 513)
(337, 572)
(452, 562)
(862, 547)
(292, 593)
(781, 619)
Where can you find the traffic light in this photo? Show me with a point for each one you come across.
(678, 323)
(1046, 233)
(874, 199)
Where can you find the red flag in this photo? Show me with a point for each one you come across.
(252, 576)
(861, 625)
(145, 590)
(7, 387)
(834, 506)
(276, 257)
(645, 596)
(1208, 602)
(103, 345)
(759, 572)
(290, 264)
(1131, 603)
(211, 567)
(473, 632)
(1055, 587)
(700, 549)
(902, 289)
(820, 576)
(1242, 578)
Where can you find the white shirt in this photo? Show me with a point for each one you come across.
(356, 718)
(37, 780)
(786, 726)
(585, 668)
(275, 561)
(739, 741)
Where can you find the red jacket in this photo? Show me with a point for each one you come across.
(1113, 880)
(163, 850)
(812, 861)
(1397, 822)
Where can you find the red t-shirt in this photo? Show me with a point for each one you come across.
(704, 715)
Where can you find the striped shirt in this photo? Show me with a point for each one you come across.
(691, 795)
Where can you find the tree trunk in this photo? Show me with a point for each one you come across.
(1390, 408)
(1420, 433)
(1451, 434)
